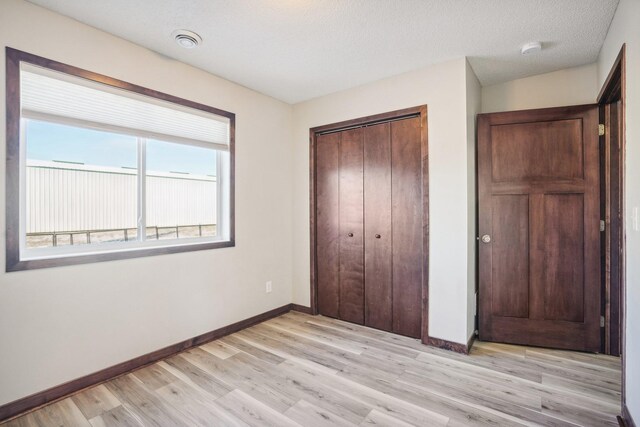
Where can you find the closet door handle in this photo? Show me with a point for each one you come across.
(378, 236)
(350, 234)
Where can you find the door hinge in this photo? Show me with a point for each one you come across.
(602, 321)
(602, 225)
(600, 129)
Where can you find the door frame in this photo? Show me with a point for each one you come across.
(418, 111)
(613, 90)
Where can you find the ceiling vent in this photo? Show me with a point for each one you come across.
(186, 39)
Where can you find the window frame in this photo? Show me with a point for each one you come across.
(15, 146)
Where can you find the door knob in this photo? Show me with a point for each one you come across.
(486, 238)
(350, 234)
(377, 236)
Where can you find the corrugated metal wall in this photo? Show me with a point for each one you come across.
(176, 201)
(69, 197)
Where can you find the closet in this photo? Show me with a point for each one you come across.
(369, 223)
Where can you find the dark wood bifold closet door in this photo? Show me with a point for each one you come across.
(327, 223)
(378, 238)
(340, 216)
(406, 166)
(538, 183)
(351, 226)
(393, 226)
(369, 225)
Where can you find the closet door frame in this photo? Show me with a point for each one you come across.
(419, 111)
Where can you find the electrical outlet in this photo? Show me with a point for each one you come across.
(269, 287)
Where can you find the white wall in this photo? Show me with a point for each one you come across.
(61, 323)
(572, 86)
(624, 29)
(473, 103)
(443, 88)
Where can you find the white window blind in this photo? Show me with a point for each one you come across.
(52, 96)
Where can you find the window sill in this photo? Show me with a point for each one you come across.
(17, 263)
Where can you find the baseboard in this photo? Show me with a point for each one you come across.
(301, 308)
(20, 406)
(448, 345)
(626, 420)
(472, 339)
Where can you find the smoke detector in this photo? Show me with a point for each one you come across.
(186, 39)
(532, 47)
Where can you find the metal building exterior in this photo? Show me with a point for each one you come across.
(68, 197)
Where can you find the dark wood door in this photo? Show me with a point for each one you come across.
(393, 226)
(327, 223)
(370, 225)
(340, 223)
(538, 190)
(351, 224)
(406, 212)
(378, 238)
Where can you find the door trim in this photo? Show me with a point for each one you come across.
(419, 111)
(614, 89)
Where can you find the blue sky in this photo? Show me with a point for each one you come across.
(48, 141)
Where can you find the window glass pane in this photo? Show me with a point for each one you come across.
(181, 191)
(81, 186)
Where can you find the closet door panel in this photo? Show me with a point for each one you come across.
(327, 227)
(377, 235)
(351, 226)
(406, 185)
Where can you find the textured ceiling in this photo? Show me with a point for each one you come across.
(296, 50)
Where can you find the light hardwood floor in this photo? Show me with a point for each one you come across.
(300, 370)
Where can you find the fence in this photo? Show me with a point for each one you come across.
(44, 239)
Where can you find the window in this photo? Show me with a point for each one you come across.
(99, 169)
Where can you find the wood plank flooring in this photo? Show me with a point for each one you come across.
(300, 370)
